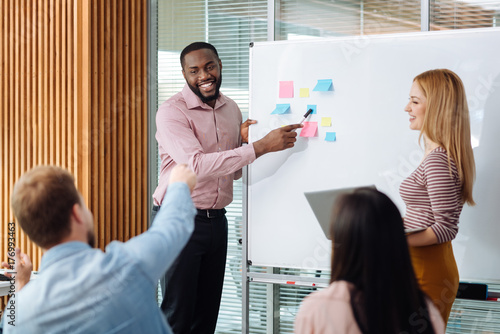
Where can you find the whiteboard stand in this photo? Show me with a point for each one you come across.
(245, 297)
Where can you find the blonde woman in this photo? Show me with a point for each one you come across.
(436, 191)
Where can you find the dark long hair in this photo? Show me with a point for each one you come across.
(369, 249)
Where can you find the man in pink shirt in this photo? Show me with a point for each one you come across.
(202, 128)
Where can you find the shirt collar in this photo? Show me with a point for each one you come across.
(194, 102)
(61, 251)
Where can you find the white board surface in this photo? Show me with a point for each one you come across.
(372, 77)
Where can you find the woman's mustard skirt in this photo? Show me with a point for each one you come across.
(437, 274)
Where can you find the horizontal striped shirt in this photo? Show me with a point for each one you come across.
(433, 196)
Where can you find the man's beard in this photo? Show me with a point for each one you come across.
(91, 238)
(206, 99)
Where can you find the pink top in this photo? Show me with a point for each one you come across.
(432, 195)
(329, 311)
(207, 140)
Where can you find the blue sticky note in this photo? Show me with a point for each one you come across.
(281, 109)
(331, 136)
(311, 106)
(323, 85)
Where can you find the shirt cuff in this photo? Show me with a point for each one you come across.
(442, 233)
(248, 153)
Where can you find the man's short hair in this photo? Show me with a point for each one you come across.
(197, 46)
(42, 201)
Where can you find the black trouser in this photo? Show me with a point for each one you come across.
(195, 279)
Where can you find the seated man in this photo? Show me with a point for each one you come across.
(80, 289)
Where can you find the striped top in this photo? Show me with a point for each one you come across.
(433, 196)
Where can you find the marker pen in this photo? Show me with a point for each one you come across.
(305, 117)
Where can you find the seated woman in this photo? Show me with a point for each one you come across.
(373, 288)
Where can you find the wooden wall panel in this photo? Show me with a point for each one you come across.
(118, 133)
(73, 76)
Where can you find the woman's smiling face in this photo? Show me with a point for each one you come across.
(416, 107)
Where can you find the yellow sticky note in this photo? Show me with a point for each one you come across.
(304, 92)
(326, 121)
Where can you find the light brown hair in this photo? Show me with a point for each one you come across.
(42, 201)
(446, 122)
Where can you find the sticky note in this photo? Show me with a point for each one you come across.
(331, 136)
(309, 129)
(281, 109)
(323, 85)
(326, 121)
(304, 92)
(311, 106)
(286, 89)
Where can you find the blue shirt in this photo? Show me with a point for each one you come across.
(84, 290)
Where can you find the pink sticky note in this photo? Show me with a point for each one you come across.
(286, 89)
(309, 129)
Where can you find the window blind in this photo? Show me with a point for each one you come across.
(447, 15)
(324, 18)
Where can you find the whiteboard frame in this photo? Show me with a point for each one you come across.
(350, 38)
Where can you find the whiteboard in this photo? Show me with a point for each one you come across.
(371, 76)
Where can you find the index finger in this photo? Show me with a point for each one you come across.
(292, 127)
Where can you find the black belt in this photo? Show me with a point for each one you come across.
(211, 213)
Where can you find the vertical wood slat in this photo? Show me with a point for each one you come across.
(58, 69)
(63, 63)
(51, 69)
(100, 126)
(120, 111)
(70, 86)
(45, 86)
(94, 197)
(114, 120)
(126, 126)
(107, 124)
(11, 106)
(40, 83)
(3, 162)
(72, 93)
(133, 152)
(3, 137)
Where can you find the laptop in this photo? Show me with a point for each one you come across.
(321, 203)
(416, 229)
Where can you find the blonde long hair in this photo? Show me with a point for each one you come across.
(446, 122)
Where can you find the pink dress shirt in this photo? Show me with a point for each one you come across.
(329, 311)
(207, 140)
